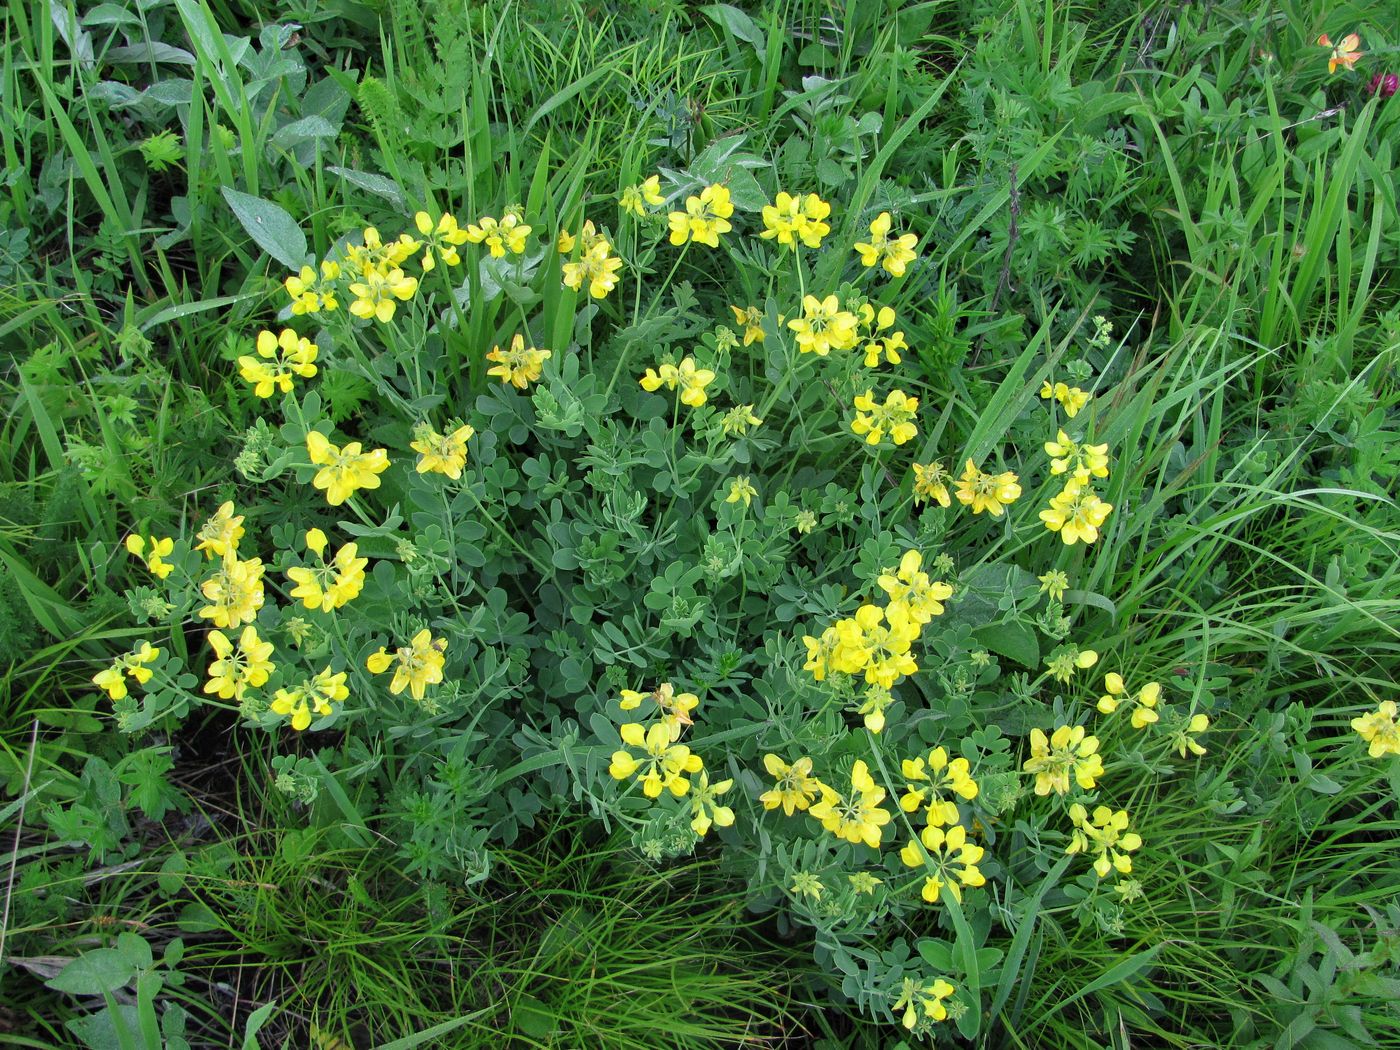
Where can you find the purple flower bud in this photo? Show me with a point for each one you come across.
(1384, 84)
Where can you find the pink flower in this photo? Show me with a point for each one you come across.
(1384, 84)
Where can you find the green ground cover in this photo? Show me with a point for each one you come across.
(730, 662)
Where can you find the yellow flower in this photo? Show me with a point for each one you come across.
(741, 488)
(634, 199)
(751, 319)
(1344, 53)
(664, 764)
(1107, 835)
(820, 652)
(795, 787)
(282, 356)
(218, 537)
(1068, 752)
(675, 707)
(376, 291)
(893, 253)
(1184, 739)
(238, 665)
(856, 817)
(314, 695)
(1076, 514)
(331, 585)
(934, 786)
(690, 378)
(704, 219)
(442, 453)
(153, 552)
(895, 417)
(919, 599)
(311, 294)
(989, 492)
(133, 665)
(704, 805)
(790, 219)
(877, 642)
(519, 365)
(1054, 583)
(1143, 703)
(499, 237)
(1071, 398)
(598, 268)
(1082, 461)
(874, 701)
(420, 664)
(887, 347)
(948, 856)
(931, 483)
(234, 592)
(375, 256)
(344, 471)
(1377, 728)
(439, 240)
(927, 996)
(824, 326)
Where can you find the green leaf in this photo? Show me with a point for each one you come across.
(1013, 639)
(737, 22)
(253, 1025)
(95, 972)
(270, 226)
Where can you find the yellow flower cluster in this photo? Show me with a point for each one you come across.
(153, 551)
(665, 764)
(1071, 398)
(824, 326)
(372, 271)
(926, 997)
(506, 235)
(894, 418)
(1068, 753)
(1076, 513)
(932, 784)
(877, 342)
(750, 319)
(855, 816)
(314, 695)
(793, 219)
(688, 377)
(596, 265)
(280, 357)
(331, 584)
(931, 483)
(1378, 730)
(893, 253)
(219, 536)
(705, 218)
(948, 857)
(420, 664)
(640, 198)
(238, 665)
(1106, 836)
(344, 471)
(130, 665)
(234, 591)
(990, 492)
(1143, 702)
(876, 641)
(444, 454)
(520, 365)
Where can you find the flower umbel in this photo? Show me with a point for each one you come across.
(893, 253)
(130, 665)
(857, 816)
(1068, 752)
(344, 470)
(1378, 729)
(420, 664)
(664, 765)
(795, 787)
(948, 857)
